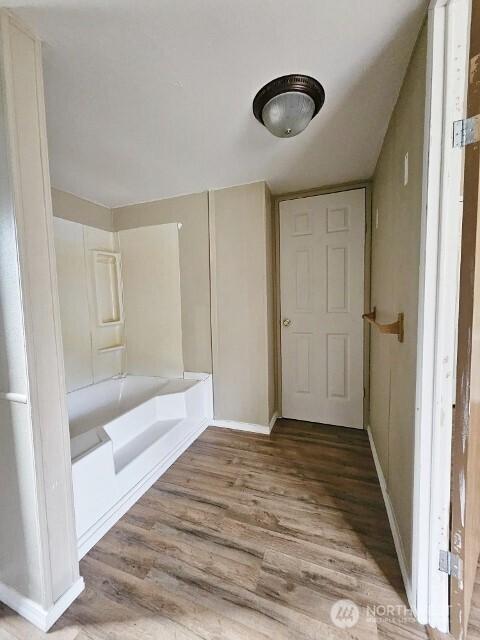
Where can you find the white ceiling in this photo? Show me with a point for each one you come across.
(148, 99)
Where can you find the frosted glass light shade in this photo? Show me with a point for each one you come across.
(288, 114)
(286, 104)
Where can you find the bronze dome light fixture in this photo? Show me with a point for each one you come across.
(286, 105)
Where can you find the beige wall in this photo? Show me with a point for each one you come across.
(242, 303)
(395, 277)
(70, 207)
(192, 212)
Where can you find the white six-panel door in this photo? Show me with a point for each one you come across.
(322, 241)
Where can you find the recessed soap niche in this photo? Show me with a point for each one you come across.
(109, 298)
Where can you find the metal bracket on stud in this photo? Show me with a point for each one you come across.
(451, 564)
(466, 132)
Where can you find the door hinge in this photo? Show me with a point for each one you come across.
(466, 132)
(451, 564)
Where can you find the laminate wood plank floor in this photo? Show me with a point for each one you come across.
(246, 537)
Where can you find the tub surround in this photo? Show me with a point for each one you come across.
(120, 301)
(87, 345)
(152, 300)
(226, 264)
(191, 211)
(125, 433)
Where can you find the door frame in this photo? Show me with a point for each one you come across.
(437, 321)
(322, 191)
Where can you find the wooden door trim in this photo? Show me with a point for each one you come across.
(469, 273)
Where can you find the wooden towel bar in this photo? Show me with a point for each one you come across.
(395, 328)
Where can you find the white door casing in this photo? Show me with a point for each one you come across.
(322, 241)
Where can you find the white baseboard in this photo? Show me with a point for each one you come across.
(33, 612)
(241, 426)
(397, 539)
(100, 528)
(246, 426)
(64, 602)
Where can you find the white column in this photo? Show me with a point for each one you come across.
(39, 573)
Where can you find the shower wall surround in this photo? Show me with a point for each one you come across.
(152, 298)
(93, 351)
(101, 339)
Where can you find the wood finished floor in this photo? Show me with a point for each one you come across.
(246, 537)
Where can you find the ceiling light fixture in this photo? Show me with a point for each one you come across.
(286, 105)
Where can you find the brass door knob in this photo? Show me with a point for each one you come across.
(286, 322)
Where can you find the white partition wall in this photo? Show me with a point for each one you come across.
(39, 574)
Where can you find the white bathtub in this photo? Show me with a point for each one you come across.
(125, 432)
